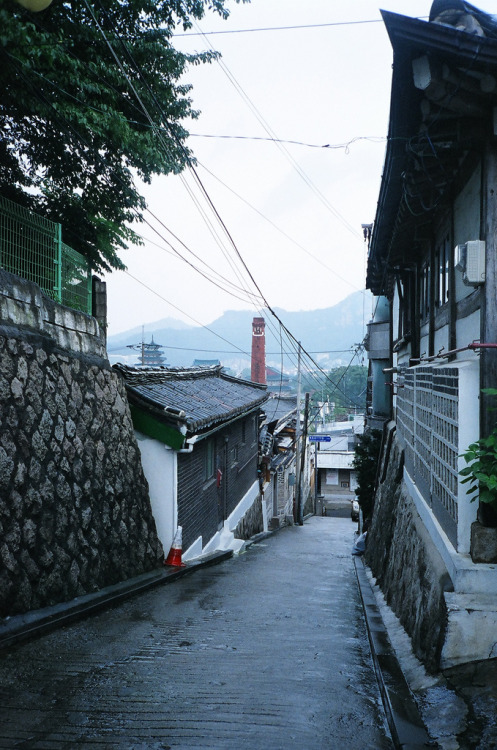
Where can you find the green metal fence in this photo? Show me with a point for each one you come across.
(31, 247)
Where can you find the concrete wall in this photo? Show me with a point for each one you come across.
(406, 563)
(75, 514)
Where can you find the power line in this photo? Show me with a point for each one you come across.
(281, 147)
(291, 338)
(221, 351)
(330, 146)
(280, 28)
(172, 134)
(282, 231)
(157, 294)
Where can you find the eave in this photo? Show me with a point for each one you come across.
(447, 137)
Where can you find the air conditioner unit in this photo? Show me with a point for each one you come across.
(470, 259)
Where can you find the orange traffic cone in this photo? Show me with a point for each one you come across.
(174, 556)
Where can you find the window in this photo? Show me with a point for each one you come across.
(235, 454)
(442, 255)
(424, 292)
(244, 431)
(209, 460)
(404, 317)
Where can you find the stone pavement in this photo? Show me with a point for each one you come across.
(266, 650)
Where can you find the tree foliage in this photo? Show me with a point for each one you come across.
(92, 99)
(367, 454)
(348, 393)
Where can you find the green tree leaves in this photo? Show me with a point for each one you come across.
(367, 453)
(90, 100)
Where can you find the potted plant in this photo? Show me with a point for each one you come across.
(481, 473)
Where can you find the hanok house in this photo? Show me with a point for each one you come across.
(433, 261)
(198, 432)
(334, 456)
(278, 460)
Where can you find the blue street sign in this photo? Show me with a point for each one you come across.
(320, 438)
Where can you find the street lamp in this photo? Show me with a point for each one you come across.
(34, 5)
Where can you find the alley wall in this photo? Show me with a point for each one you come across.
(75, 514)
(404, 560)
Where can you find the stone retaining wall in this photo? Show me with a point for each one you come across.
(75, 514)
(405, 562)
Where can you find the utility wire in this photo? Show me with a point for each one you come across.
(281, 146)
(219, 351)
(331, 146)
(189, 162)
(280, 28)
(281, 231)
(287, 332)
(207, 328)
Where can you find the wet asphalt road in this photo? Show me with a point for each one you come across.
(265, 651)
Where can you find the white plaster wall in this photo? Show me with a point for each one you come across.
(441, 340)
(469, 430)
(467, 331)
(245, 503)
(467, 223)
(225, 539)
(424, 342)
(395, 312)
(160, 467)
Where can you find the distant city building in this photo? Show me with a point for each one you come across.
(277, 381)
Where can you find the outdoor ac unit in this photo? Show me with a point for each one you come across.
(470, 259)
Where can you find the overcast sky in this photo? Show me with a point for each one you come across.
(294, 212)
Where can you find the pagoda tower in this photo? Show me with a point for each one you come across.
(150, 354)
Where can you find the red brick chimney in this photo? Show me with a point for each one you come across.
(258, 369)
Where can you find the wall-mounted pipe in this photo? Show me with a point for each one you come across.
(442, 354)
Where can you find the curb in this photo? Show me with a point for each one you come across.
(37, 622)
(406, 726)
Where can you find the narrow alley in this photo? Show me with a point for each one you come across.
(266, 650)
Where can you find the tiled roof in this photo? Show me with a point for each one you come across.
(280, 408)
(198, 397)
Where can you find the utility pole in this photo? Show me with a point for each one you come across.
(302, 460)
(297, 442)
(316, 474)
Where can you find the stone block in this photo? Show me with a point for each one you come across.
(483, 543)
(471, 629)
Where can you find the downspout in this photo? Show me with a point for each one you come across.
(190, 442)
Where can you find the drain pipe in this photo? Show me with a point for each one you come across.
(190, 442)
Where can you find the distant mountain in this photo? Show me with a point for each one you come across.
(148, 329)
(333, 331)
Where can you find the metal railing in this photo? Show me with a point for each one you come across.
(31, 247)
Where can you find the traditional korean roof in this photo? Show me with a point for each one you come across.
(197, 398)
(205, 362)
(444, 90)
(280, 408)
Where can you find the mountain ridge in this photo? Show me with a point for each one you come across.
(326, 332)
